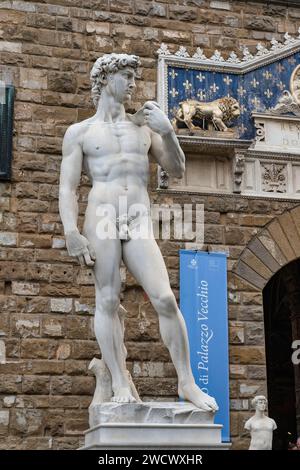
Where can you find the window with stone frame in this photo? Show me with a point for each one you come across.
(6, 129)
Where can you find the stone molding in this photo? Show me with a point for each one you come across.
(276, 245)
(245, 62)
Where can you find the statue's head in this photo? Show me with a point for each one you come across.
(116, 73)
(259, 403)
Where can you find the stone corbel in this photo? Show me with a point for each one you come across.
(260, 131)
(238, 170)
(163, 179)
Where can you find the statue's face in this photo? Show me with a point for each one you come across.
(261, 404)
(122, 84)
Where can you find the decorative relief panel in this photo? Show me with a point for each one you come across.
(205, 173)
(193, 88)
(277, 133)
(243, 114)
(274, 177)
(270, 177)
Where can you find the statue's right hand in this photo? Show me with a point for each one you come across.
(78, 245)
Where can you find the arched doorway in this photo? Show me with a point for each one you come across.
(281, 300)
(270, 263)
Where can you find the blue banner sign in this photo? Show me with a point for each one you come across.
(203, 302)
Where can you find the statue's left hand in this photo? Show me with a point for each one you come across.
(156, 119)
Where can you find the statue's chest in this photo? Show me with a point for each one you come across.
(105, 140)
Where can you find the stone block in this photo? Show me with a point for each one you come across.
(61, 305)
(220, 5)
(121, 6)
(251, 298)
(33, 240)
(32, 205)
(62, 273)
(247, 355)
(288, 226)
(261, 23)
(160, 425)
(25, 189)
(237, 371)
(182, 13)
(35, 385)
(4, 421)
(25, 288)
(10, 46)
(236, 335)
(9, 401)
(247, 273)
(257, 372)
(61, 385)
(256, 264)
(264, 255)
(272, 247)
(97, 27)
(83, 385)
(255, 333)
(279, 237)
(25, 326)
(238, 405)
(78, 327)
(85, 349)
(213, 234)
(8, 239)
(63, 351)
(62, 82)
(54, 425)
(10, 383)
(58, 243)
(148, 369)
(53, 327)
(33, 79)
(248, 390)
(150, 9)
(26, 422)
(36, 348)
(82, 307)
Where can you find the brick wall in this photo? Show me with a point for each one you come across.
(47, 49)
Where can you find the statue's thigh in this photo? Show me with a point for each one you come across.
(144, 260)
(108, 257)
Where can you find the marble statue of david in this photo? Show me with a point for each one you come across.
(114, 148)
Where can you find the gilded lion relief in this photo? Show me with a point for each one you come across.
(212, 116)
(216, 96)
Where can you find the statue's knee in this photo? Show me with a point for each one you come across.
(108, 303)
(166, 304)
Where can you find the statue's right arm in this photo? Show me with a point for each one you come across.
(70, 173)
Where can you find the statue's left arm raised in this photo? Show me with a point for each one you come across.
(165, 147)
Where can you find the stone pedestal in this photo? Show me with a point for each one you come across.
(152, 425)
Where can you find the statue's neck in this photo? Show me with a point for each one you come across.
(110, 110)
(259, 414)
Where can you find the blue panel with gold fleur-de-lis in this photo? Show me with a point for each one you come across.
(256, 90)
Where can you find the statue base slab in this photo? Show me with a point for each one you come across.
(152, 425)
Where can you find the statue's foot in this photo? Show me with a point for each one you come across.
(191, 392)
(123, 395)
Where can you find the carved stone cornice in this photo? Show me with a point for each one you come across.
(234, 63)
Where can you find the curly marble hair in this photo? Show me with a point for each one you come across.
(258, 397)
(109, 63)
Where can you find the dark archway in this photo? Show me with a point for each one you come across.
(281, 297)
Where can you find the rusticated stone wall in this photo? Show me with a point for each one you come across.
(47, 49)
